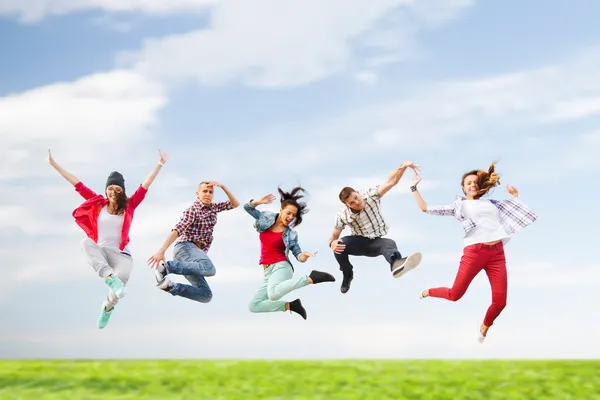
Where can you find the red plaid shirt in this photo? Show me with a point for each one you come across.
(198, 221)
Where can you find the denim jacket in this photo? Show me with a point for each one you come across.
(266, 219)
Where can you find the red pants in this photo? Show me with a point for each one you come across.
(475, 258)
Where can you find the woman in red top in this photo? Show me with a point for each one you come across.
(277, 239)
(106, 222)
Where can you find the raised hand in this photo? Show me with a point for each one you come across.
(409, 164)
(512, 190)
(267, 199)
(215, 184)
(164, 156)
(416, 179)
(50, 159)
(306, 255)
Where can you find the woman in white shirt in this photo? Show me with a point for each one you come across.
(106, 219)
(488, 226)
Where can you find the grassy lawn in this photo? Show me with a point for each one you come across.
(206, 380)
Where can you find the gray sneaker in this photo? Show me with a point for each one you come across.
(161, 272)
(402, 265)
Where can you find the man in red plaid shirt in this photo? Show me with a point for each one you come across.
(194, 234)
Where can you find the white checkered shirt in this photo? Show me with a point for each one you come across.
(513, 214)
(369, 222)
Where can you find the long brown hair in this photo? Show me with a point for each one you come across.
(486, 180)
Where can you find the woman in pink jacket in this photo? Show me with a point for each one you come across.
(106, 220)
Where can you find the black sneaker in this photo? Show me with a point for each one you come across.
(318, 277)
(296, 306)
(348, 276)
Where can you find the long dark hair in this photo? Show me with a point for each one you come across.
(122, 202)
(291, 198)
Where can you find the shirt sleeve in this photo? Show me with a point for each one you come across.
(223, 206)
(137, 197)
(85, 191)
(339, 223)
(373, 193)
(446, 210)
(515, 214)
(186, 220)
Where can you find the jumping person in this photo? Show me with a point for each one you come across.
(488, 226)
(194, 235)
(363, 215)
(277, 239)
(106, 222)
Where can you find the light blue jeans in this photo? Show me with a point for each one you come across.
(194, 265)
(278, 281)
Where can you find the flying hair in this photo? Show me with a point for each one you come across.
(486, 180)
(292, 198)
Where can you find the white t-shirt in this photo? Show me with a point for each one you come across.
(487, 220)
(109, 230)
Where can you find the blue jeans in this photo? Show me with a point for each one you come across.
(194, 265)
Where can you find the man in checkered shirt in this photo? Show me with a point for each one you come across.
(194, 234)
(363, 215)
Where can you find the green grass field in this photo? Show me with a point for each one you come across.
(204, 380)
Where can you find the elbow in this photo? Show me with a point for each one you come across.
(424, 209)
(235, 204)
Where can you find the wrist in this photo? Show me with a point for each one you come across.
(161, 163)
(413, 188)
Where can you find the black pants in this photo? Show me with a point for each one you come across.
(362, 246)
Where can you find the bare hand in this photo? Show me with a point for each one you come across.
(215, 184)
(512, 190)
(164, 156)
(409, 164)
(416, 179)
(267, 199)
(50, 159)
(338, 246)
(306, 255)
(155, 260)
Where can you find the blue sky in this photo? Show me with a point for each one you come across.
(266, 93)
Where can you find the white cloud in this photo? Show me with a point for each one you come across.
(283, 43)
(85, 122)
(30, 11)
(366, 77)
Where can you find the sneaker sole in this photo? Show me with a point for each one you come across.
(411, 262)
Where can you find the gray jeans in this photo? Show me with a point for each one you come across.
(106, 261)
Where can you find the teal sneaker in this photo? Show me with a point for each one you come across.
(104, 316)
(116, 285)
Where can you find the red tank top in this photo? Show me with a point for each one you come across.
(272, 248)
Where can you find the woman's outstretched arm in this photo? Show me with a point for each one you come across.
(72, 179)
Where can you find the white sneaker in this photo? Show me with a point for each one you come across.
(160, 272)
(165, 285)
(403, 265)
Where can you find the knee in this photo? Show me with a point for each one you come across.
(86, 242)
(207, 297)
(253, 306)
(273, 296)
(455, 296)
(499, 303)
(211, 270)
